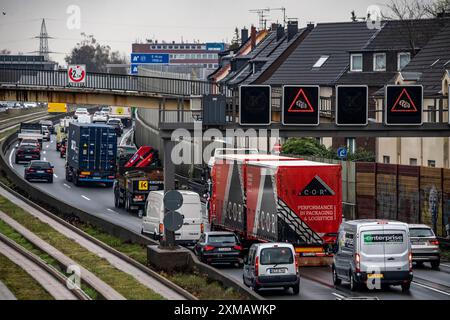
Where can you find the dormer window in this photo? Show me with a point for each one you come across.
(356, 62)
(379, 62)
(403, 60)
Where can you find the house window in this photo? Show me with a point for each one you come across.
(379, 62)
(432, 163)
(403, 59)
(386, 159)
(351, 145)
(356, 62)
(319, 63)
(412, 162)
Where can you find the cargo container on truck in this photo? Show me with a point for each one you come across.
(30, 131)
(91, 154)
(278, 199)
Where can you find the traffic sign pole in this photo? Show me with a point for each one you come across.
(169, 185)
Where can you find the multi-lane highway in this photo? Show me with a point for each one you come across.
(316, 282)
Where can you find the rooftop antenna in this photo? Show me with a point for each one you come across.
(261, 16)
(283, 10)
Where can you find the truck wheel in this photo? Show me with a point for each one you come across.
(255, 287)
(17, 161)
(75, 180)
(336, 280)
(435, 264)
(127, 204)
(116, 200)
(68, 176)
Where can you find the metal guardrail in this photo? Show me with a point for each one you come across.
(106, 81)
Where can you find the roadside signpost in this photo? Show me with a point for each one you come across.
(301, 105)
(76, 73)
(352, 105)
(173, 220)
(255, 105)
(342, 153)
(404, 105)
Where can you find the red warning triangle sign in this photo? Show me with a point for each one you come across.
(404, 103)
(301, 103)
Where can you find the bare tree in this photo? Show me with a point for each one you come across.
(439, 8)
(408, 12)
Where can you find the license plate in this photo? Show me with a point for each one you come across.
(277, 270)
(97, 178)
(28, 157)
(224, 249)
(39, 171)
(375, 276)
(420, 243)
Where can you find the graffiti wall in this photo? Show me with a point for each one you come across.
(405, 193)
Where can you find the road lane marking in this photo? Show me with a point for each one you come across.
(110, 210)
(47, 146)
(445, 265)
(55, 176)
(45, 159)
(10, 158)
(67, 186)
(338, 296)
(431, 288)
(44, 152)
(84, 197)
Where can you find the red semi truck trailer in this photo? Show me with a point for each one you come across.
(278, 199)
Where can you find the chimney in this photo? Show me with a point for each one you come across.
(253, 37)
(292, 29)
(280, 32)
(310, 25)
(244, 35)
(274, 27)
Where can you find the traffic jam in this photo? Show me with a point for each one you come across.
(259, 219)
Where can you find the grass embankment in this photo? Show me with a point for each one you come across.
(12, 234)
(195, 283)
(14, 278)
(21, 112)
(123, 283)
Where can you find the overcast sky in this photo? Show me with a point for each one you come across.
(120, 23)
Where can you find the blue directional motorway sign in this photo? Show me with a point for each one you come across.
(134, 68)
(150, 58)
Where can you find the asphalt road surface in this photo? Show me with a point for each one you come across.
(316, 283)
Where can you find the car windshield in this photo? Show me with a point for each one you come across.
(222, 239)
(276, 256)
(40, 165)
(114, 121)
(421, 232)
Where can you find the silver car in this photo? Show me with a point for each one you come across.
(425, 245)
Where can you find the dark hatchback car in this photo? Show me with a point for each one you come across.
(219, 248)
(117, 124)
(39, 171)
(27, 152)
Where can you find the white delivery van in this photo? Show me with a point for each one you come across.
(191, 210)
(373, 253)
(271, 265)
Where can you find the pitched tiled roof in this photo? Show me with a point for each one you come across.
(335, 40)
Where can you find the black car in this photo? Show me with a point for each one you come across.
(39, 170)
(219, 248)
(117, 124)
(26, 152)
(49, 125)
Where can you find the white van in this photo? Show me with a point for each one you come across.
(374, 253)
(272, 265)
(191, 210)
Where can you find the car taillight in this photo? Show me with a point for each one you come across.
(357, 262)
(36, 150)
(111, 177)
(30, 170)
(434, 242)
(209, 248)
(49, 171)
(202, 228)
(239, 248)
(161, 228)
(296, 263)
(257, 266)
(410, 261)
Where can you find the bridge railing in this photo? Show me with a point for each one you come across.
(106, 81)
